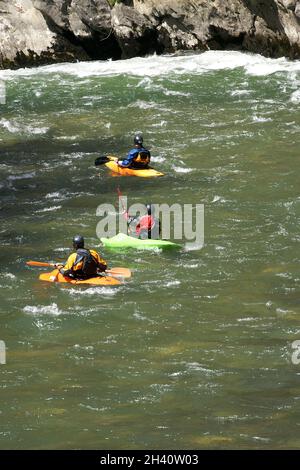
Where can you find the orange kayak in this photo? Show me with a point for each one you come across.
(55, 276)
(118, 170)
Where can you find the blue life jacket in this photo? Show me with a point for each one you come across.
(137, 158)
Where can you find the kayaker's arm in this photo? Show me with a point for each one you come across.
(129, 218)
(132, 219)
(128, 160)
(102, 264)
(67, 269)
(102, 267)
(124, 163)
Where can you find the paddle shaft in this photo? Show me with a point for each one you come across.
(124, 272)
(124, 209)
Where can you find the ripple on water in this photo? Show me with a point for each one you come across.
(51, 309)
(252, 225)
(9, 276)
(17, 128)
(180, 169)
(158, 159)
(48, 209)
(109, 291)
(295, 97)
(21, 176)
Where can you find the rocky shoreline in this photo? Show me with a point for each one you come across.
(39, 32)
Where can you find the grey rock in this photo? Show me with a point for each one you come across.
(34, 32)
(135, 33)
(267, 27)
(289, 4)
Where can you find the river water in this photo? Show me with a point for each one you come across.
(195, 351)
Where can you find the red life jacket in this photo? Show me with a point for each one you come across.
(146, 222)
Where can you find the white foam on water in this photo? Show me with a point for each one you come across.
(195, 366)
(49, 209)
(156, 66)
(285, 275)
(8, 126)
(103, 290)
(158, 159)
(240, 92)
(295, 97)
(75, 156)
(56, 195)
(180, 169)
(261, 119)
(248, 319)
(51, 309)
(9, 276)
(22, 176)
(62, 196)
(162, 123)
(143, 104)
(175, 93)
(15, 128)
(67, 137)
(36, 130)
(83, 348)
(146, 82)
(282, 311)
(139, 316)
(263, 439)
(192, 247)
(172, 283)
(218, 199)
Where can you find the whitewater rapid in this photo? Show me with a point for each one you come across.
(154, 66)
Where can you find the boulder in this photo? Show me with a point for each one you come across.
(34, 32)
(269, 27)
(135, 33)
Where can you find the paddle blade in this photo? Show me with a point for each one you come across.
(101, 160)
(121, 272)
(38, 263)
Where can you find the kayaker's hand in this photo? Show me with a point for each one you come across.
(58, 266)
(102, 267)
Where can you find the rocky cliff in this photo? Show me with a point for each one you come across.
(36, 32)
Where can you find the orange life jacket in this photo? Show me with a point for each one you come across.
(142, 157)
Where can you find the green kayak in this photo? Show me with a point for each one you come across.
(124, 241)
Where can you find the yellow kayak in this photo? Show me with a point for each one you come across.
(55, 276)
(115, 168)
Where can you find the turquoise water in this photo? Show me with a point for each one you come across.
(195, 351)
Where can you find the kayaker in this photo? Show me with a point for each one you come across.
(138, 157)
(146, 226)
(84, 263)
